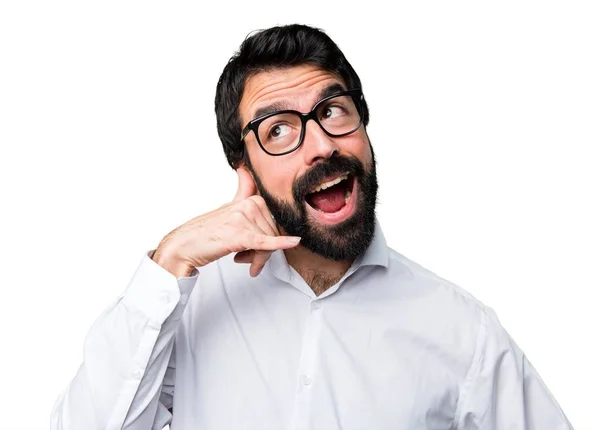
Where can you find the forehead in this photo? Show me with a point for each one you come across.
(295, 87)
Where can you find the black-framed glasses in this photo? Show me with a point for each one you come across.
(282, 132)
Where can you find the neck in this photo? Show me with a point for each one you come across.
(319, 273)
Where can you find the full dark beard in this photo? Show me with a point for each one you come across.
(343, 241)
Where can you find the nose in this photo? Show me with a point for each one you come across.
(317, 146)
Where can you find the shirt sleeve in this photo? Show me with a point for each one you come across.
(502, 390)
(126, 376)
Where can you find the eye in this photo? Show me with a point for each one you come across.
(333, 111)
(278, 131)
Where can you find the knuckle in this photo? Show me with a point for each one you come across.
(248, 204)
(238, 217)
(260, 202)
(257, 199)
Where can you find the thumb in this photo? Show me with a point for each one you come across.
(246, 184)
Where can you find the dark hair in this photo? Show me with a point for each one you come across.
(274, 48)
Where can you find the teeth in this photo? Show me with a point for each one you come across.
(331, 183)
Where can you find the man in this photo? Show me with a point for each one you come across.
(330, 329)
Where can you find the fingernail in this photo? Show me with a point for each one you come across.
(294, 239)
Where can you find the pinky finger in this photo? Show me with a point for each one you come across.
(259, 260)
(244, 256)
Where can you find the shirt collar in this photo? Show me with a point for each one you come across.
(377, 254)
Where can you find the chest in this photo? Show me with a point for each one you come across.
(310, 365)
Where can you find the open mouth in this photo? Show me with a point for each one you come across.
(333, 200)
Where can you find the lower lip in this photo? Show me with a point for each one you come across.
(339, 216)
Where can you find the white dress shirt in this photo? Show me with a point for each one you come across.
(390, 346)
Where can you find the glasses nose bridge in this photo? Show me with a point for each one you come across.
(305, 117)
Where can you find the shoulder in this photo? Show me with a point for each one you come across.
(437, 305)
(432, 287)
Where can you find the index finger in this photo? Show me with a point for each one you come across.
(263, 242)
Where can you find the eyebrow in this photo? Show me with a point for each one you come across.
(274, 107)
(281, 105)
(331, 90)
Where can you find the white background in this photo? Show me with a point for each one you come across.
(485, 121)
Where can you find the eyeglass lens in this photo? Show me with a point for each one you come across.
(281, 132)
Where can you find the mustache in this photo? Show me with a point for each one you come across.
(335, 165)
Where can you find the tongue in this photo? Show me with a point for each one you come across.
(330, 200)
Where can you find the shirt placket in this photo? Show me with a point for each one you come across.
(307, 377)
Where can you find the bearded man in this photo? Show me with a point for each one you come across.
(328, 328)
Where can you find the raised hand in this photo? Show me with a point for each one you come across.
(244, 226)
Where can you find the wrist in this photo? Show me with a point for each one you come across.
(169, 261)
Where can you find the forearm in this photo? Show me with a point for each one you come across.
(126, 354)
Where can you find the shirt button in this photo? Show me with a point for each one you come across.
(165, 298)
(306, 380)
(316, 305)
(138, 373)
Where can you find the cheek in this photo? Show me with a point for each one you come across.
(275, 173)
(360, 148)
(283, 183)
(366, 150)
(278, 179)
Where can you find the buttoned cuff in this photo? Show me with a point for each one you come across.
(156, 292)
